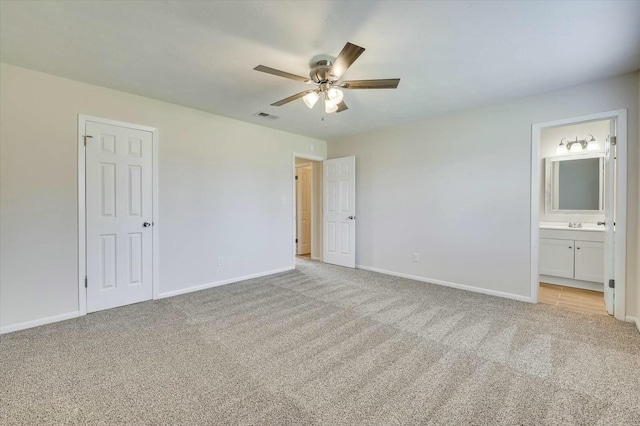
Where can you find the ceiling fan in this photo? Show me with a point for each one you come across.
(325, 75)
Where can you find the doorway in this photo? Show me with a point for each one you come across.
(117, 204)
(304, 210)
(333, 209)
(307, 208)
(578, 213)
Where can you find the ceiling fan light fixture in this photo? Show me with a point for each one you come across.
(335, 95)
(310, 99)
(330, 106)
(326, 72)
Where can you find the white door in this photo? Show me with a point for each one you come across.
(339, 227)
(119, 215)
(556, 257)
(303, 206)
(609, 219)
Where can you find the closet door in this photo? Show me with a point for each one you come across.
(119, 203)
(556, 257)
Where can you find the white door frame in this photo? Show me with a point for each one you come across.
(620, 116)
(294, 198)
(82, 219)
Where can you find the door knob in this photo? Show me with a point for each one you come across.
(146, 224)
(351, 217)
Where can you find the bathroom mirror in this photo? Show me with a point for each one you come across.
(574, 184)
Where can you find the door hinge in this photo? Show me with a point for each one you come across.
(296, 240)
(614, 140)
(296, 177)
(85, 138)
(612, 283)
(85, 282)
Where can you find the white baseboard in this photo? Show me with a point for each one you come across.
(223, 282)
(634, 320)
(41, 321)
(448, 284)
(69, 315)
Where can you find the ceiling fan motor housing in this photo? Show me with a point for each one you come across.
(320, 71)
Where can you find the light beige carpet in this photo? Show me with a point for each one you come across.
(324, 345)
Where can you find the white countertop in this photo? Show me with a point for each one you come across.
(565, 226)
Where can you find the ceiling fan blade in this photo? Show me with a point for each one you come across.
(389, 83)
(284, 74)
(291, 98)
(342, 106)
(348, 55)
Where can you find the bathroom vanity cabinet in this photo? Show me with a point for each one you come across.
(572, 258)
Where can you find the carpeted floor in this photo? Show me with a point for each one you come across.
(324, 345)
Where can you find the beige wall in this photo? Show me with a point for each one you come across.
(210, 169)
(456, 189)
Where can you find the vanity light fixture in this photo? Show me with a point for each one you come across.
(593, 145)
(589, 143)
(562, 148)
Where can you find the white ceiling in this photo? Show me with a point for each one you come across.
(449, 55)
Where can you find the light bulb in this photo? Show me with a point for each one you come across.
(329, 106)
(310, 99)
(562, 149)
(576, 147)
(593, 145)
(335, 95)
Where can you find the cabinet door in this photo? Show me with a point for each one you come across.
(589, 261)
(556, 257)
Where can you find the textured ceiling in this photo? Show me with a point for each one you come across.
(449, 55)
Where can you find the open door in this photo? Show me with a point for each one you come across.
(339, 218)
(609, 218)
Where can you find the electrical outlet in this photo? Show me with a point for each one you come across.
(221, 261)
(416, 257)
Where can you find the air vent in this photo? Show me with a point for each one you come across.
(266, 115)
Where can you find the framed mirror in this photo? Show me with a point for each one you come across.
(574, 184)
